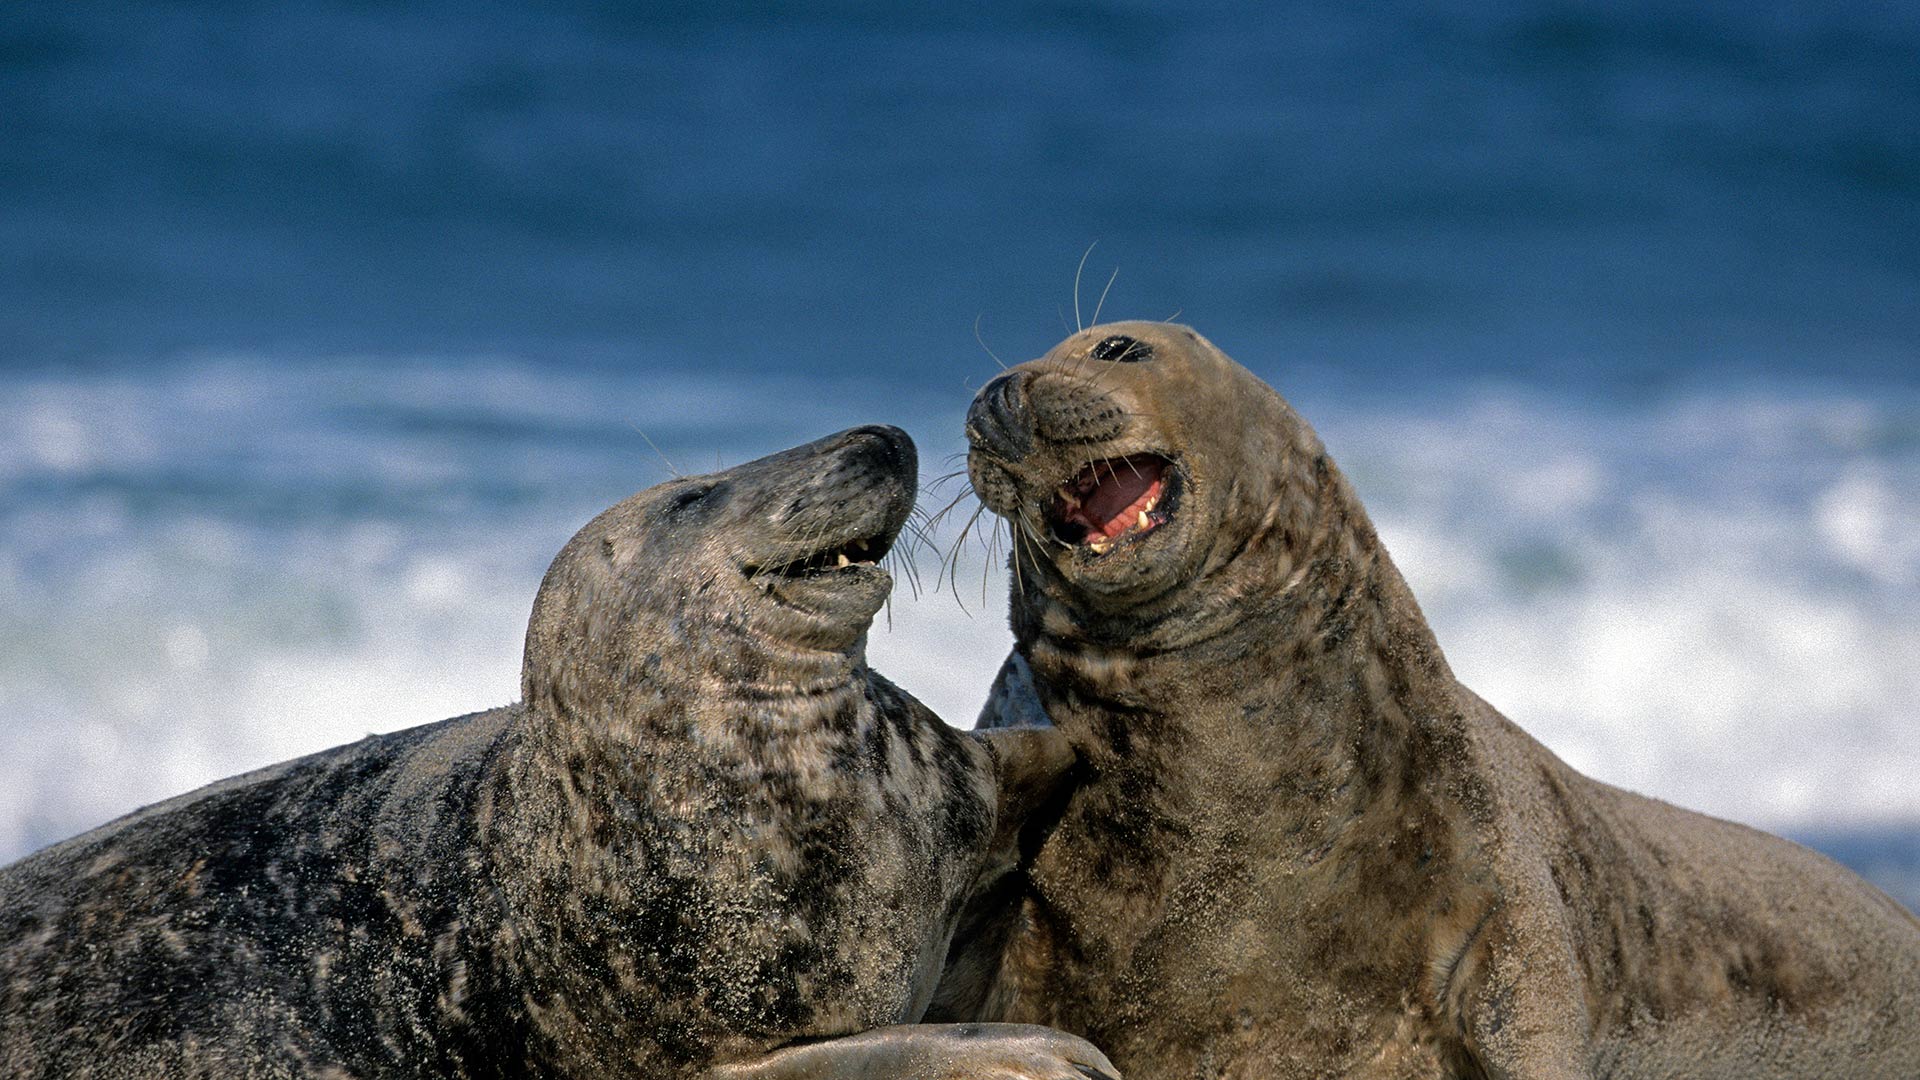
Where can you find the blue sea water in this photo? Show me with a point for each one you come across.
(322, 325)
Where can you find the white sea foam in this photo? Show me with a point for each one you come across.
(1710, 599)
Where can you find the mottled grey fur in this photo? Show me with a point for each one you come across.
(709, 841)
(1305, 849)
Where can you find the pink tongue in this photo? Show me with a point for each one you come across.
(1106, 506)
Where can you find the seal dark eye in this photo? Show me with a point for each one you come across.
(1122, 349)
(704, 497)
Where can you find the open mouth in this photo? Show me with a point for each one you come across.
(864, 551)
(1113, 500)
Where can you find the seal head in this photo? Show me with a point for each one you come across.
(780, 557)
(1135, 461)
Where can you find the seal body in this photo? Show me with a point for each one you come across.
(709, 841)
(1305, 849)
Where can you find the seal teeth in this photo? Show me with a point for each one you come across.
(1100, 547)
(1142, 521)
(844, 561)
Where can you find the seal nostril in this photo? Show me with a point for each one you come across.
(881, 445)
(998, 417)
(1000, 395)
(886, 434)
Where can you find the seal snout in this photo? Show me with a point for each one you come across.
(1037, 423)
(846, 502)
(826, 515)
(1025, 411)
(998, 421)
(883, 446)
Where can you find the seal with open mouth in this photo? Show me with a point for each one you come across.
(1305, 849)
(709, 841)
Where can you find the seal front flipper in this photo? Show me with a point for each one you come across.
(1033, 769)
(931, 1052)
(1036, 771)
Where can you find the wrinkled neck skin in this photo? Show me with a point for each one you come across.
(1287, 580)
(641, 785)
(710, 671)
(1273, 725)
(1302, 597)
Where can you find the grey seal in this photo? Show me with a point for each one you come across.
(1305, 849)
(709, 841)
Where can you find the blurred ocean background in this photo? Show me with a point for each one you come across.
(324, 324)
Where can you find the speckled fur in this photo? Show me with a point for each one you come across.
(1305, 849)
(707, 831)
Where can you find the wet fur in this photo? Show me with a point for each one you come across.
(707, 832)
(1305, 849)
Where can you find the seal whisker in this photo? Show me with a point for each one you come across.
(1023, 535)
(1077, 324)
(1016, 542)
(950, 563)
(902, 569)
(664, 460)
(991, 535)
(903, 556)
(952, 566)
(946, 478)
(983, 342)
(993, 554)
(939, 516)
(1037, 537)
(919, 537)
(1102, 302)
